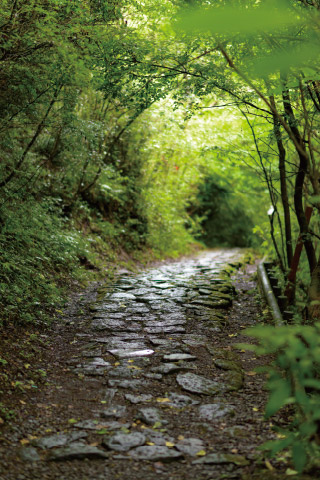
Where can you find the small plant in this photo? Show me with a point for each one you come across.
(5, 413)
(294, 382)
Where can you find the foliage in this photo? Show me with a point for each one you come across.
(293, 381)
(35, 256)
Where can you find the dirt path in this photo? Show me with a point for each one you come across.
(149, 385)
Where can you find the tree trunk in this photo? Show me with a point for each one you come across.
(283, 185)
(299, 183)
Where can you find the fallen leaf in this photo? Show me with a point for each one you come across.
(116, 364)
(22, 402)
(291, 472)
(201, 453)
(72, 420)
(24, 441)
(150, 444)
(163, 399)
(251, 373)
(255, 409)
(170, 444)
(268, 465)
(181, 437)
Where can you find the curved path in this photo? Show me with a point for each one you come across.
(154, 385)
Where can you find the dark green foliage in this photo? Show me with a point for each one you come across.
(35, 256)
(225, 221)
(293, 380)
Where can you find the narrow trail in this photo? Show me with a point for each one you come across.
(150, 385)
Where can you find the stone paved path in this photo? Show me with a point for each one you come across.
(167, 388)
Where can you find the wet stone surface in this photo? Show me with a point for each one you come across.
(161, 381)
(155, 453)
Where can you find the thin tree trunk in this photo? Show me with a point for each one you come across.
(283, 185)
(299, 182)
(17, 167)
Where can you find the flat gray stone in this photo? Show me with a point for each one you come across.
(152, 376)
(121, 296)
(120, 343)
(164, 329)
(149, 416)
(139, 292)
(162, 286)
(110, 315)
(101, 425)
(177, 357)
(212, 411)
(58, 440)
(99, 362)
(78, 452)
(158, 438)
(122, 442)
(181, 401)
(151, 297)
(220, 458)
(91, 370)
(134, 384)
(164, 342)
(155, 453)
(204, 291)
(114, 325)
(215, 303)
(169, 368)
(124, 372)
(128, 353)
(164, 306)
(190, 446)
(135, 399)
(109, 395)
(29, 454)
(116, 411)
(106, 308)
(165, 323)
(135, 310)
(198, 384)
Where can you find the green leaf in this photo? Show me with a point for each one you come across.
(299, 456)
(232, 20)
(275, 446)
(278, 397)
(296, 57)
